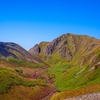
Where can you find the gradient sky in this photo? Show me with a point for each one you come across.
(28, 22)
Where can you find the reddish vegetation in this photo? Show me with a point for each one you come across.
(26, 93)
(73, 93)
(36, 73)
(74, 50)
(42, 94)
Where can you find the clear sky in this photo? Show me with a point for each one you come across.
(28, 22)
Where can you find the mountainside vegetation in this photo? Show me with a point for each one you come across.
(74, 63)
(66, 67)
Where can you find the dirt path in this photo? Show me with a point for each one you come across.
(48, 96)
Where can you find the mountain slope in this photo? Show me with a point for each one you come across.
(8, 49)
(22, 75)
(71, 68)
(74, 64)
(66, 48)
(14, 85)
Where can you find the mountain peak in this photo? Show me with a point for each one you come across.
(66, 46)
(9, 49)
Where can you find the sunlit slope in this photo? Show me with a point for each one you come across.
(75, 64)
(13, 50)
(68, 48)
(20, 80)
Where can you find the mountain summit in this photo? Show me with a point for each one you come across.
(67, 48)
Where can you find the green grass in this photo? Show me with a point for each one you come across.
(9, 78)
(56, 70)
(19, 70)
(66, 78)
(20, 62)
(99, 53)
(24, 64)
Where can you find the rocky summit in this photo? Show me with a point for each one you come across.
(66, 48)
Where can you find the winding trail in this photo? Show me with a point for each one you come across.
(48, 96)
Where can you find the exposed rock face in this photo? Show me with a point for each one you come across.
(57, 44)
(63, 50)
(37, 49)
(67, 47)
(51, 47)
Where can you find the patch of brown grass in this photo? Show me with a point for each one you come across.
(25, 93)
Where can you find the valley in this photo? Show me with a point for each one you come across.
(67, 67)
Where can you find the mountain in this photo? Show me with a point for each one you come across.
(74, 64)
(8, 49)
(66, 68)
(68, 48)
(22, 75)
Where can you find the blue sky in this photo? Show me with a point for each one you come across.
(28, 22)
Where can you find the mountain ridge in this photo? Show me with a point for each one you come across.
(74, 63)
(68, 66)
(10, 49)
(65, 47)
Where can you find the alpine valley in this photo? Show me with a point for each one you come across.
(67, 68)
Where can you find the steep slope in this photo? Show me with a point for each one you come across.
(22, 75)
(66, 48)
(74, 64)
(8, 49)
(14, 85)
(72, 69)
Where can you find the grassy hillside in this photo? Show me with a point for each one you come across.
(66, 48)
(66, 67)
(72, 81)
(15, 85)
(77, 77)
(74, 64)
(9, 49)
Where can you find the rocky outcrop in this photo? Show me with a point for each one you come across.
(36, 50)
(51, 47)
(93, 96)
(58, 44)
(79, 48)
(65, 52)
